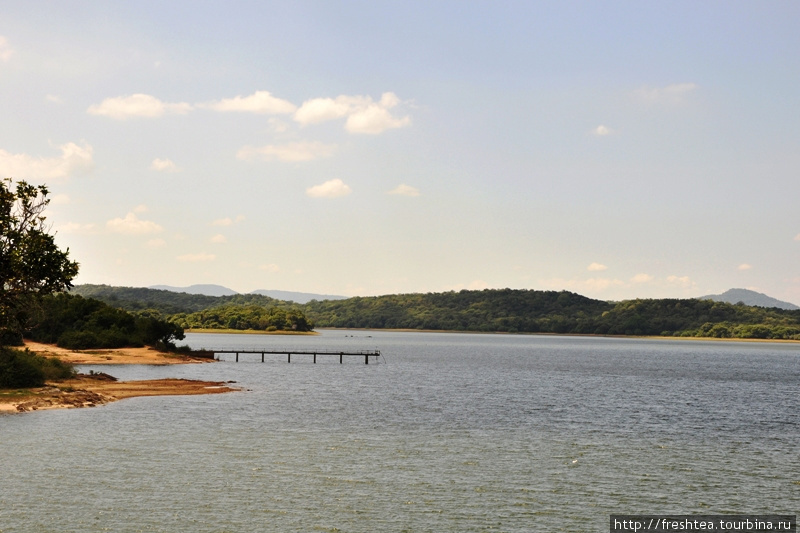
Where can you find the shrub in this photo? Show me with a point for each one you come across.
(20, 369)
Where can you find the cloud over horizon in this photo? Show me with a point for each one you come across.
(330, 189)
(132, 225)
(137, 106)
(404, 190)
(261, 102)
(75, 159)
(164, 165)
(364, 115)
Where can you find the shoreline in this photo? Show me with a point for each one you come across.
(91, 390)
(248, 331)
(590, 335)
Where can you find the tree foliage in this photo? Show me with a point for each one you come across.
(168, 302)
(500, 310)
(31, 264)
(245, 317)
(81, 323)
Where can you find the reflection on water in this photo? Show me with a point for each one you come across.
(451, 433)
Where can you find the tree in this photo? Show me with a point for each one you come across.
(31, 265)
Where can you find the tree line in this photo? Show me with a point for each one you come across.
(490, 310)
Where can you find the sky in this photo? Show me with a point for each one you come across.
(618, 149)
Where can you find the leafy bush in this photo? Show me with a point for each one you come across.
(19, 369)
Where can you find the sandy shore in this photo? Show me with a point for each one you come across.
(90, 390)
(116, 356)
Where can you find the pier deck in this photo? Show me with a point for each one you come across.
(366, 354)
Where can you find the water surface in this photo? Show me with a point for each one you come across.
(451, 432)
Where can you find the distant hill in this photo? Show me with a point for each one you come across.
(495, 310)
(207, 290)
(219, 290)
(298, 297)
(747, 297)
(167, 302)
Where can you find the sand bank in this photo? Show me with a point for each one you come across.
(98, 389)
(90, 390)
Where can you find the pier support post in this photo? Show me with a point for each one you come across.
(262, 357)
(341, 354)
(289, 358)
(237, 357)
(315, 358)
(366, 359)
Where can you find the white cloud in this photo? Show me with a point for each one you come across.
(74, 160)
(744, 266)
(156, 243)
(596, 267)
(137, 105)
(261, 102)
(292, 152)
(5, 50)
(319, 110)
(682, 281)
(364, 115)
(132, 225)
(54, 99)
(164, 165)
(405, 190)
(601, 131)
(329, 189)
(373, 120)
(271, 267)
(227, 221)
(219, 238)
(196, 258)
(797, 237)
(674, 93)
(642, 278)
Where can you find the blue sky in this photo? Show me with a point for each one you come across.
(615, 149)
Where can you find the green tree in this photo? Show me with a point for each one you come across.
(31, 265)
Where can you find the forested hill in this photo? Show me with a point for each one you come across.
(168, 302)
(487, 310)
(503, 310)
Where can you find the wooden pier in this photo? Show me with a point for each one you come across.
(342, 354)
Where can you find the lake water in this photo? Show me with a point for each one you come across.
(450, 433)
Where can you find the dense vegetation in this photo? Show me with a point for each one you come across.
(490, 310)
(245, 317)
(20, 369)
(504, 310)
(81, 323)
(168, 302)
(556, 312)
(31, 266)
